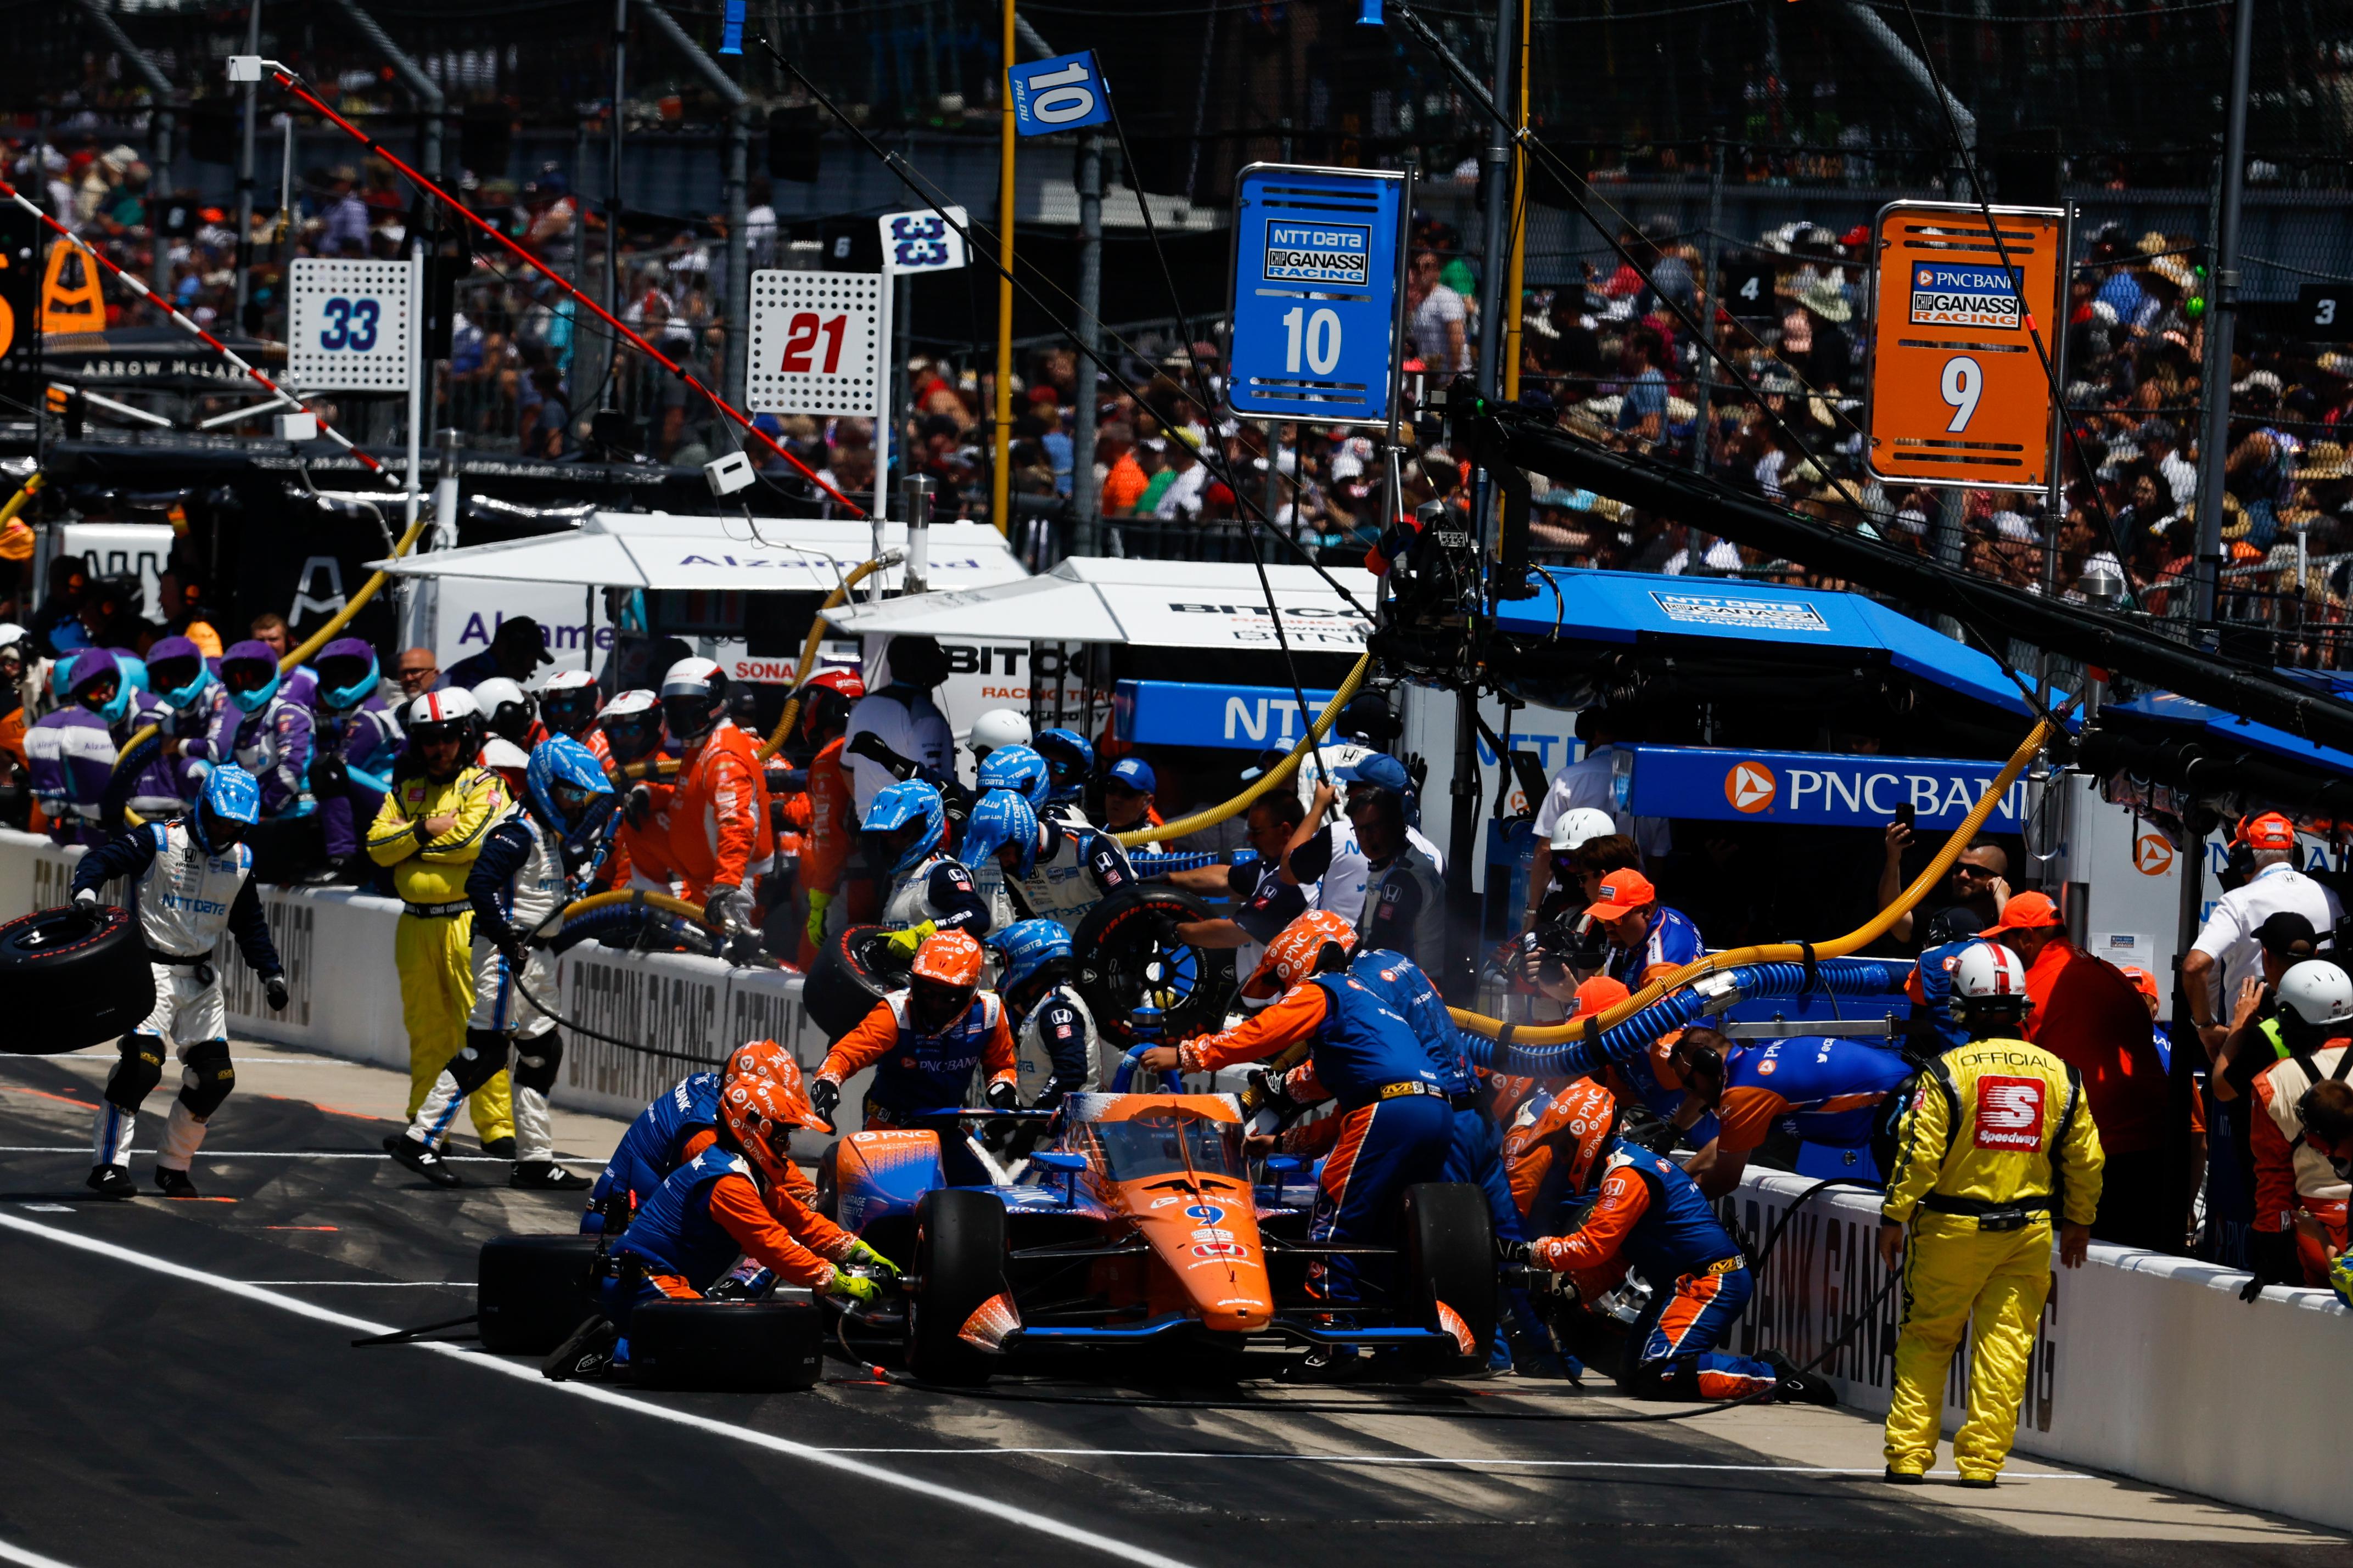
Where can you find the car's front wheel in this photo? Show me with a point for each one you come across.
(959, 1265)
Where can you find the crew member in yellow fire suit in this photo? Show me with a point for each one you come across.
(429, 830)
(1996, 1139)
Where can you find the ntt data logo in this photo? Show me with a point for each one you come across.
(1749, 786)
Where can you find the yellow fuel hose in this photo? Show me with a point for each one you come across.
(1266, 781)
(33, 486)
(663, 767)
(1781, 951)
(661, 901)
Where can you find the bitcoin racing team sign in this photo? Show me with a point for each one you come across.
(1958, 393)
(1317, 253)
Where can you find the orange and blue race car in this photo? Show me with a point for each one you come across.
(1138, 1226)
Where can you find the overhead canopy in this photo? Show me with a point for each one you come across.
(1634, 607)
(661, 550)
(2217, 728)
(1152, 604)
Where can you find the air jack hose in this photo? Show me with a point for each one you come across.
(1778, 952)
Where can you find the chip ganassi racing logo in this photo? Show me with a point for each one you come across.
(2010, 1113)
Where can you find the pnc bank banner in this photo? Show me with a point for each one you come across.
(1815, 789)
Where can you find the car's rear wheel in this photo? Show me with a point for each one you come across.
(854, 969)
(1123, 959)
(532, 1291)
(1449, 1259)
(757, 1347)
(959, 1265)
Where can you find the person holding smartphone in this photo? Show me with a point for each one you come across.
(1978, 883)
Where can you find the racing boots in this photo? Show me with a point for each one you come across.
(546, 1176)
(423, 1159)
(112, 1182)
(1791, 1386)
(588, 1353)
(174, 1184)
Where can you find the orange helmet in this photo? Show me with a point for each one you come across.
(761, 1113)
(759, 1059)
(948, 958)
(1297, 950)
(1580, 1121)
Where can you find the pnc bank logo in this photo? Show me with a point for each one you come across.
(2152, 855)
(1750, 787)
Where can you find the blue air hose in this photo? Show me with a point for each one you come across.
(1754, 981)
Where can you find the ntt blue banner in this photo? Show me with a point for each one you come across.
(1815, 789)
(1243, 718)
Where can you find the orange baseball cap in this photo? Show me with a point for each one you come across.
(2027, 911)
(2269, 831)
(1598, 995)
(1620, 891)
(2143, 981)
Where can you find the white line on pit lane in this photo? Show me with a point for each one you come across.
(371, 1284)
(83, 1149)
(29, 1559)
(1481, 1461)
(1020, 1517)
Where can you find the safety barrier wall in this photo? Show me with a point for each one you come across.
(2147, 1365)
(346, 1001)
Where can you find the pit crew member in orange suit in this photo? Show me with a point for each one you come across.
(719, 829)
(832, 829)
(924, 1043)
(631, 728)
(1649, 1217)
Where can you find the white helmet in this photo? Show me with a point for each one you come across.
(448, 706)
(503, 707)
(1985, 970)
(11, 633)
(1577, 827)
(693, 696)
(997, 727)
(2317, 995)
(625, 703)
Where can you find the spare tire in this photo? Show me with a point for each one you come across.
(854, 969)
(1121, 958)
(531, 1291)
(756, 1347)
(72, 977)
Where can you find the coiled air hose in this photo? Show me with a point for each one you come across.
(1522, 1035)
(1596, 1043)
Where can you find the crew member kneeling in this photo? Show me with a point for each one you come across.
(1648, 1217)
(192, 879)
(1996, 1137)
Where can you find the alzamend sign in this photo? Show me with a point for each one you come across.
(1816, 789)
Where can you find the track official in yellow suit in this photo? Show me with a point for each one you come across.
(1995, 1140)
(429, 830)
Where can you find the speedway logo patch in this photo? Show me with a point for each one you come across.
(2010, 1113)
(1336, 253)
(1966, 297)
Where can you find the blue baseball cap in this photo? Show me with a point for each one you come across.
(1380, 771)
(1271, 757)
(1135, 774)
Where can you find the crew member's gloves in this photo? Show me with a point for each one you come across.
(638, 806)
(1164, 930)
(274, 987)
(2272, 1253)
(818, 903)
(727, 908)
(905, 943)
(86, 899)
(1269, 1092)
(857, 1286)
(511, 948)
(1514, 1254)
(1003, 1097)
(824, 1096)
(861, 1253)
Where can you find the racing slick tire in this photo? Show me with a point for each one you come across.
(854, 971)
(532, 1291)
(959, 1265)
(752, 1347)
(72, 977)
(1449, 1256)
(1120, 957)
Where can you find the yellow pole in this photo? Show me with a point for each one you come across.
(1001, 462)
(1514, 279)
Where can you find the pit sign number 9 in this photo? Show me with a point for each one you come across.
(1963, 384)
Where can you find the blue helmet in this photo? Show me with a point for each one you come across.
(1027, 947)
(910, 821)
(231, 797)
(254, 698)
(1002, 817)
(1070, 759)
(89, 668)
(561, 760)
(1018, 769)
(172, 657)
(133, 667)
(350, 656)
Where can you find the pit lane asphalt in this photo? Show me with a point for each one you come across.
(152, 1412)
